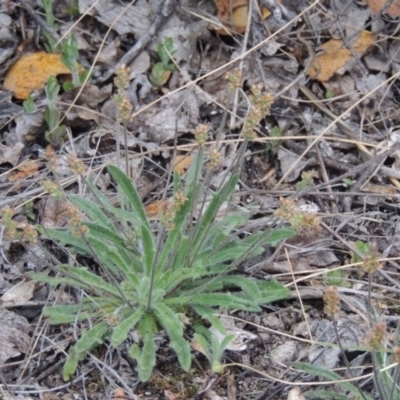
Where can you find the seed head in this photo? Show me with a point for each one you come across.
(331, 299)
(376, 336)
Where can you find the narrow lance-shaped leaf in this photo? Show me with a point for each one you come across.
(204, 346)
(148, 355)
(173, 241)
(209, 314)
(325, 394)
(272, 291)
(194, 172)
(103, 233)
(131, 193)
(212, 210)
(148, 250)
(332, 376)
(114, 212)
(173, 325)
(179, 260)
(92, 210)
(91, 338)
(121, 331)
(224, 300)
(90, 279)
(65, 238)
(64, 314)
(71, 364)
(218, 349)
(279, 234)
(246, 284)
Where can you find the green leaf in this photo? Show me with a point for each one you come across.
(348, 182)
(56, 135)
(279, 234)
(29, 105)
(89, 279)
(91, 338)
(173, 241)
(275, 132)
(131, 193)
(193, 174)
(336, 277)
(93, 211)
(84, 77)
(331, 376)
(329, 94)
(202, 341)
(147, 359)
(149, 249)
(212, 210)
(272, 291)
(159, 74)
(181, 254)
(218, 351)
(51, 46)
(70, 365)
(53, 281)
(174, 327)
(244, 283)
(209, 314)
(64, 314)
(121, 331)
(163, 49)
(48, 9)
(134, 352)
(324, 394)
(234, 252)
(68, 86)
(65, 238)
(130, 269)
(52, 89)
(224, 300)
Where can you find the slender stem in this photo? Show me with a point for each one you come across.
(125, 125)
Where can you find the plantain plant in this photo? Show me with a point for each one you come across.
(156, 279)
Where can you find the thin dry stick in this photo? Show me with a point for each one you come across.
(95, 61)
(232, 123)
(335, 121)
(232, 62)
(39, 20)
(298, 295)
(164, 12)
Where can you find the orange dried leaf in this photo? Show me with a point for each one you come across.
(335, 56)
(234, 14)
(181, 163)
(119, 395)
(32, 71)
(226, 7)
(153, 209)
(378, 6)
(25, 170)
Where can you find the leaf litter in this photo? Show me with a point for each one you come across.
(345, 54)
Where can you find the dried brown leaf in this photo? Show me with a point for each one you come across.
(25, 170)
(32, 71)
(21, 292)
(335, 56)
(378, 6)
(181, 163)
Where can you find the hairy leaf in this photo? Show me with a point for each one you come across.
(121, 331)
(174, 327)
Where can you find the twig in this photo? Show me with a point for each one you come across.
(39, 20)
(160, 18)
